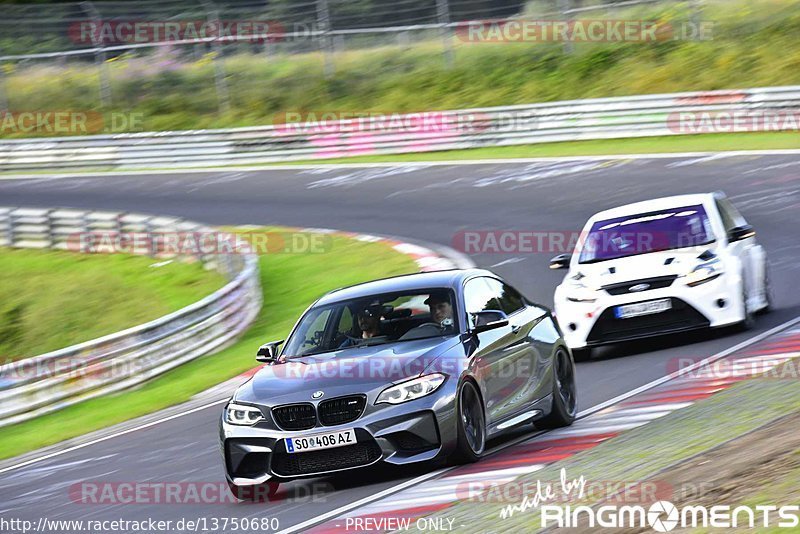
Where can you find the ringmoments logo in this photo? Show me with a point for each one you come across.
(659, 516)
(664, 516)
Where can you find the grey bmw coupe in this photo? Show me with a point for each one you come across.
(407, 369)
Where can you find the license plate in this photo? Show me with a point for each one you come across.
(642, 308)
(321, 441)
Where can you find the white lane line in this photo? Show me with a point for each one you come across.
(328, 166)
(598, 407)
(647, 409)
(623, 418)
(498, 473)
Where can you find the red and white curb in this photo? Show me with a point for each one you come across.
(587, 432)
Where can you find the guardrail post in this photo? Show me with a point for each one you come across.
(564, 8)
(99, 56)
(50, 237)
(10, 230)
(223, 96)
(3, 92)
(443, 17)
(326, 42)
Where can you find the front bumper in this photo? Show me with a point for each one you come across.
(712, 304)
(417, 431)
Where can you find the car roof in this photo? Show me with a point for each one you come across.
(449, 279)
(654, 205)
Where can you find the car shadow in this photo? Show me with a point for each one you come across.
(671, 341)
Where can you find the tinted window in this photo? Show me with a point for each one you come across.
(374, 320)
(479, 296)
(680, 227)
(731, 218)
(509, 298)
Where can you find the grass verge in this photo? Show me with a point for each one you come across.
(290, 283)
(52, 299)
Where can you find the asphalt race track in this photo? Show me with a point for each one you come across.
(424, 202)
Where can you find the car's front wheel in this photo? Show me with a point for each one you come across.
(565, 400)
(471, 424)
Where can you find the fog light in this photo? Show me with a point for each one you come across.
(721, 303)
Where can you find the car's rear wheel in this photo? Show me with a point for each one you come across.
(565, 400)
(471, 424)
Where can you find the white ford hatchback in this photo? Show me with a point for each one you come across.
(659, 267)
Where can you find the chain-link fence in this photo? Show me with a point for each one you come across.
(162, 35)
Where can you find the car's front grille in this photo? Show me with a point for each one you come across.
(295, 416)
(624, 288)
(680, 317)
(312, 462)
(341, 410)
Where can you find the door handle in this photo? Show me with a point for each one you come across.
(516, 329)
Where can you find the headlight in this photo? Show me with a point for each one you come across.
(413, 389)
(577, 291)
(704, 272)
(238, 414)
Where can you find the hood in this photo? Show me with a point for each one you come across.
(668, 262)
(342, 372)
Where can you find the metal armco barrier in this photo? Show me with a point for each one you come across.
(603, 118)
(44, 383)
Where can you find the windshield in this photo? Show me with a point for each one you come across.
(655, 231)
(374, 320)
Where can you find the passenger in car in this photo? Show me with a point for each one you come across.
(441, 308)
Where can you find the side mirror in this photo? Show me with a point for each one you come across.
(489, 320)
(268, 352)
(561, 261)
(740, 232)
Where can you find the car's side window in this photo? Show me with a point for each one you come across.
(345, 321)
(315, 334)
(509, 298)
(479, 296)
(731, 218)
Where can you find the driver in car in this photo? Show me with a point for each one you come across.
(369, 322)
